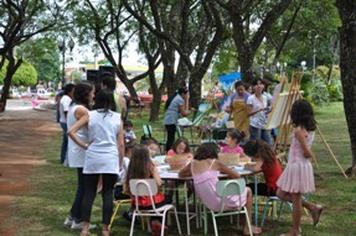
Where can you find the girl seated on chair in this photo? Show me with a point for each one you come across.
(142, 167)
(180, 147)
(267, 162)
(205, 169)
(232, 140)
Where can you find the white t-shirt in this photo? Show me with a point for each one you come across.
(63, 107)
(76, 154)
(102, 155)
(258, 120)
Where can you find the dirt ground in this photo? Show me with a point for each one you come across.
(22, 134)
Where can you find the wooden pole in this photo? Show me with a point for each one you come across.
(330, 151)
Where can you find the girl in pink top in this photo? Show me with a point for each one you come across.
(205, 169)
(180, 147)
(298, 176)
(233, 139)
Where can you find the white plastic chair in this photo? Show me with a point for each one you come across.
(225, 189)
(148, 187)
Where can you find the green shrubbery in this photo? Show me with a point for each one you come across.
(25, 75)
(323, 89)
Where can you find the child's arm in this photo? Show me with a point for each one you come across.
(121, 145)
(257, 167)
(300, 135)
(77, 125)
(156, 175)
(185, 172)
(226, 170)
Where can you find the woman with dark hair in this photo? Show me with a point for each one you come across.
(175, 105)
(258, 108)
(103, 157)
(205, 169)
(63, 109)
(83, 98)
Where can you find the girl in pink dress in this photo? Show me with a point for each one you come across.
(298, 177)
(205, 169)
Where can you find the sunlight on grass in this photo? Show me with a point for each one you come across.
(43, 209)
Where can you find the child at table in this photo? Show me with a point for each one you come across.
(180, 147)
(266, 162)
(142, 167)
(298, 176)
(232, 140)
(205, 169)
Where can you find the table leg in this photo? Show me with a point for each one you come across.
(186, 206)
(256, 201)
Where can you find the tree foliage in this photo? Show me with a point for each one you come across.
(43, 54)
(25, 75)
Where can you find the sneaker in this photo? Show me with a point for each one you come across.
(68, 222)
(80, 225)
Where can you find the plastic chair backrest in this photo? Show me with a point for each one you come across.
(147, 130)
(227, 188)
(143, 187)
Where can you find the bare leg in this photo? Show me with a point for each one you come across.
(314, 209)
(297, 212)
(255, 229)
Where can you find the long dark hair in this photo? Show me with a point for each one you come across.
(180, 91)
(260, 149)
(104, 101)
(140, 166)
(207, 151)
(68, 88)
(302, 114)
(179, 141)
(81, 93)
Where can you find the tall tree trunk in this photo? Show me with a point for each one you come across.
(246, 62)
(12, 67)
(347, 10)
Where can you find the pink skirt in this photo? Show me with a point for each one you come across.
(297, 177)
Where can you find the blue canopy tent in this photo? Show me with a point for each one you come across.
(226, 80)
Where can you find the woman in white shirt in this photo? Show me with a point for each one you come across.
(258, 109)
(82, 100)
(105, 150)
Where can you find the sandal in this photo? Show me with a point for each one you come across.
(316, 215)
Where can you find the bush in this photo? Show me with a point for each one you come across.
(25, 75)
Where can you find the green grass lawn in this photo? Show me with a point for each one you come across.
(43, 209)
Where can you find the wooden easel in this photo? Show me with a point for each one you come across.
(282, 141)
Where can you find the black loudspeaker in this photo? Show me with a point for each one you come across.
(94, 76)
(107, 71)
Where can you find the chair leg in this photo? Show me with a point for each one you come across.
(215, 225)
(132, 223)
(163, 223)
(177, 221)
(205, 221)
(265, 208)
(280, 210)
(114, 215)
(248, 222)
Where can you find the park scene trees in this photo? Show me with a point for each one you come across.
(153, 48)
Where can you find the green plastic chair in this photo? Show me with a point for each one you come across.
(225, 189)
